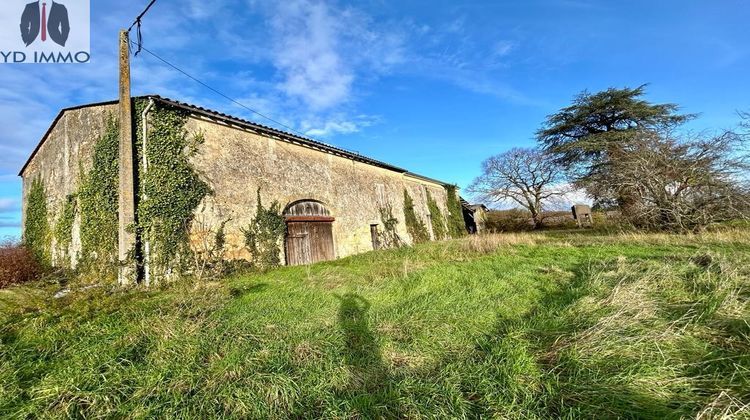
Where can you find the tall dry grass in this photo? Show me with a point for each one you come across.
(655, 331)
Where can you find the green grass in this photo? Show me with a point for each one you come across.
(555, 325)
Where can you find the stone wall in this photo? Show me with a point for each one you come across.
(236, 162)
(67, 150)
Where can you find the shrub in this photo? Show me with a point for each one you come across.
(17, 264)
(263, 236)
(513, 220)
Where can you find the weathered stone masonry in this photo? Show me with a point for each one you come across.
(59, 161)
(236, 159)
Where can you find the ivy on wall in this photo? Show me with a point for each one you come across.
(456, 224)
(170, 190)
(415, 226)
(37, 235)
(388, 238)
(438, 221)
(263, 235)
(98, 204)
(64, 227)
(166, 195)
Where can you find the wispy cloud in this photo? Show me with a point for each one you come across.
(322, 50)
(10, 213)
(10, 223)
(341, 125)
(8, 205)
(307, 54)
(305, 63)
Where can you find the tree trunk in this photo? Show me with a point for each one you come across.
(537, 217)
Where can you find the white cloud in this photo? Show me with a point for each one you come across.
(9, 205)
(306, 51)
(331, 127)
(201, 9)
(314, 60)
(337, 124)
(572, 196)
(503, 48)
(322, 50)
(455, 53)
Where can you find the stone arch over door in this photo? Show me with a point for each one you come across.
(309, 233)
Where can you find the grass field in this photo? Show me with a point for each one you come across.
(548, 325)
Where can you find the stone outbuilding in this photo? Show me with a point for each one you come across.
(479, 214)
(334, 202)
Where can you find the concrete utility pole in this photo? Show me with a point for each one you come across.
(126, 236)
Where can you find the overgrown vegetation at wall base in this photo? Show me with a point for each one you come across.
(264, 235)
(414, 225)
(98, 204)
(456, 224)
(438, 221)
(388, 238)
(64, 229)
(551, 325)
(37, 235)
(170, 189)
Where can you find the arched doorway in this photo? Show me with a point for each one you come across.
(309, 233)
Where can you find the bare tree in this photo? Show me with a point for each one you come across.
(680, 185)
(527, 177)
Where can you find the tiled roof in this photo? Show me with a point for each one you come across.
(262, 129)
(281, 135)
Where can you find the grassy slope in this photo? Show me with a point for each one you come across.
(549, 325)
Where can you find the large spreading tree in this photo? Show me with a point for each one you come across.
(526, 177)
(681, 184)
(584, 137)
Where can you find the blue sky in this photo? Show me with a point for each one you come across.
(435, 87)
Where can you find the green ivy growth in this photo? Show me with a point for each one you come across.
(170, 189)
(416, 227)
(264, 234)
(220, 237)
(389, 237)
(456, 224)
(64, 227)
(98, 204)
(438, 221)
(37, 235)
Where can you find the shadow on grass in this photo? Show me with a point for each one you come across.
(369, 391)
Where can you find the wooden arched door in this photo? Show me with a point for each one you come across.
(309, 233)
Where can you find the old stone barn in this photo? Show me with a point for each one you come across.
(208, 184)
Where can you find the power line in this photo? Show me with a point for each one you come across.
(138, 23)
(302, 161)
(227, 97)
(140, 47)
(143, 13)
